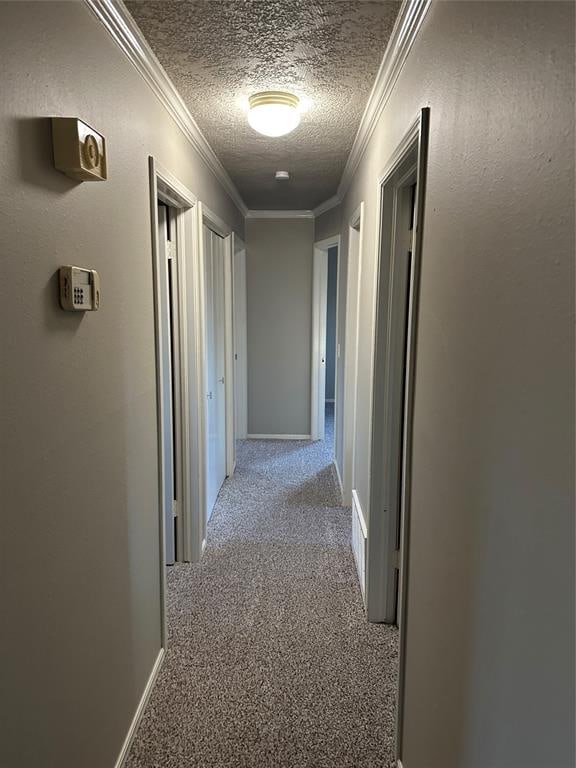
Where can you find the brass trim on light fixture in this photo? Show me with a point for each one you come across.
(273, 97)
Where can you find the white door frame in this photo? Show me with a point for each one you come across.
(189, 303)
(319, 309)
(414, 143)
(170, 444)
(240, 338)
(318, 393)
(218, 225)
(389, 384)
(356, 234)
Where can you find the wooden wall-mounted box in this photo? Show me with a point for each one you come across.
(79, 150)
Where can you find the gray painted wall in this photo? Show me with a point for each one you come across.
(331, 322)
(328, 224)
(279, 255)
(490, 645)
(79, 540)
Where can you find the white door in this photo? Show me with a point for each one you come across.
(215, 366)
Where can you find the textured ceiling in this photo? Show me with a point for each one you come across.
(218, 52)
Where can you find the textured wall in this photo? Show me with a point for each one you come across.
(219, 53)
(490, 611)
(79, 539)
(279, 293)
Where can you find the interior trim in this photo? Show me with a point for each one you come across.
(116, 18)
(299, 214)
(328, 242)
(327, 205)
(410, 18)
(278, 437)
(338, 477)
(215, 223)
(114, 15)
(140, 710)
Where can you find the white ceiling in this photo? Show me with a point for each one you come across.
(218, 52)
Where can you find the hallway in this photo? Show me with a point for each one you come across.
(218, 216)
(270, 659)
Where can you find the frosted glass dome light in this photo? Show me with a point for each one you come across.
(274, 113)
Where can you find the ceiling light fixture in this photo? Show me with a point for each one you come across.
(274, 113)
(282, 175)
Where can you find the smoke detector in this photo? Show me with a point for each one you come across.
(282, 175)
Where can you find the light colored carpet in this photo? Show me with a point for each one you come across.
(271, 661)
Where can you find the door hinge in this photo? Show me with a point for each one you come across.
(171, 249)
(174, 508)
(396, 559)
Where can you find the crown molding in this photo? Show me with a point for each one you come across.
(117, 20)
(303, 213)
(300, 214)
(332, 202)
(410, 18)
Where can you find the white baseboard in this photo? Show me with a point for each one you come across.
(140, 709)
(278, 437)
(359, 541)
(359, 512)
(335, 463)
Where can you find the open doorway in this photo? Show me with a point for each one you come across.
(331, 313)
(324, 341)
(171, 438)
(179, 366)
(401, 190)
(401, 194)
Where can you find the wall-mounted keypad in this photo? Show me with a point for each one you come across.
(79, 288)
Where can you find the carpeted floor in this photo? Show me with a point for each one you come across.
(270, 661)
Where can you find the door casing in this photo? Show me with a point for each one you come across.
(395, 295)
(221, 228)
(319, 309)
(215, 320)
(167, 291)
(188, 302)
(353, 283)
(240, 338)
(412, 148)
